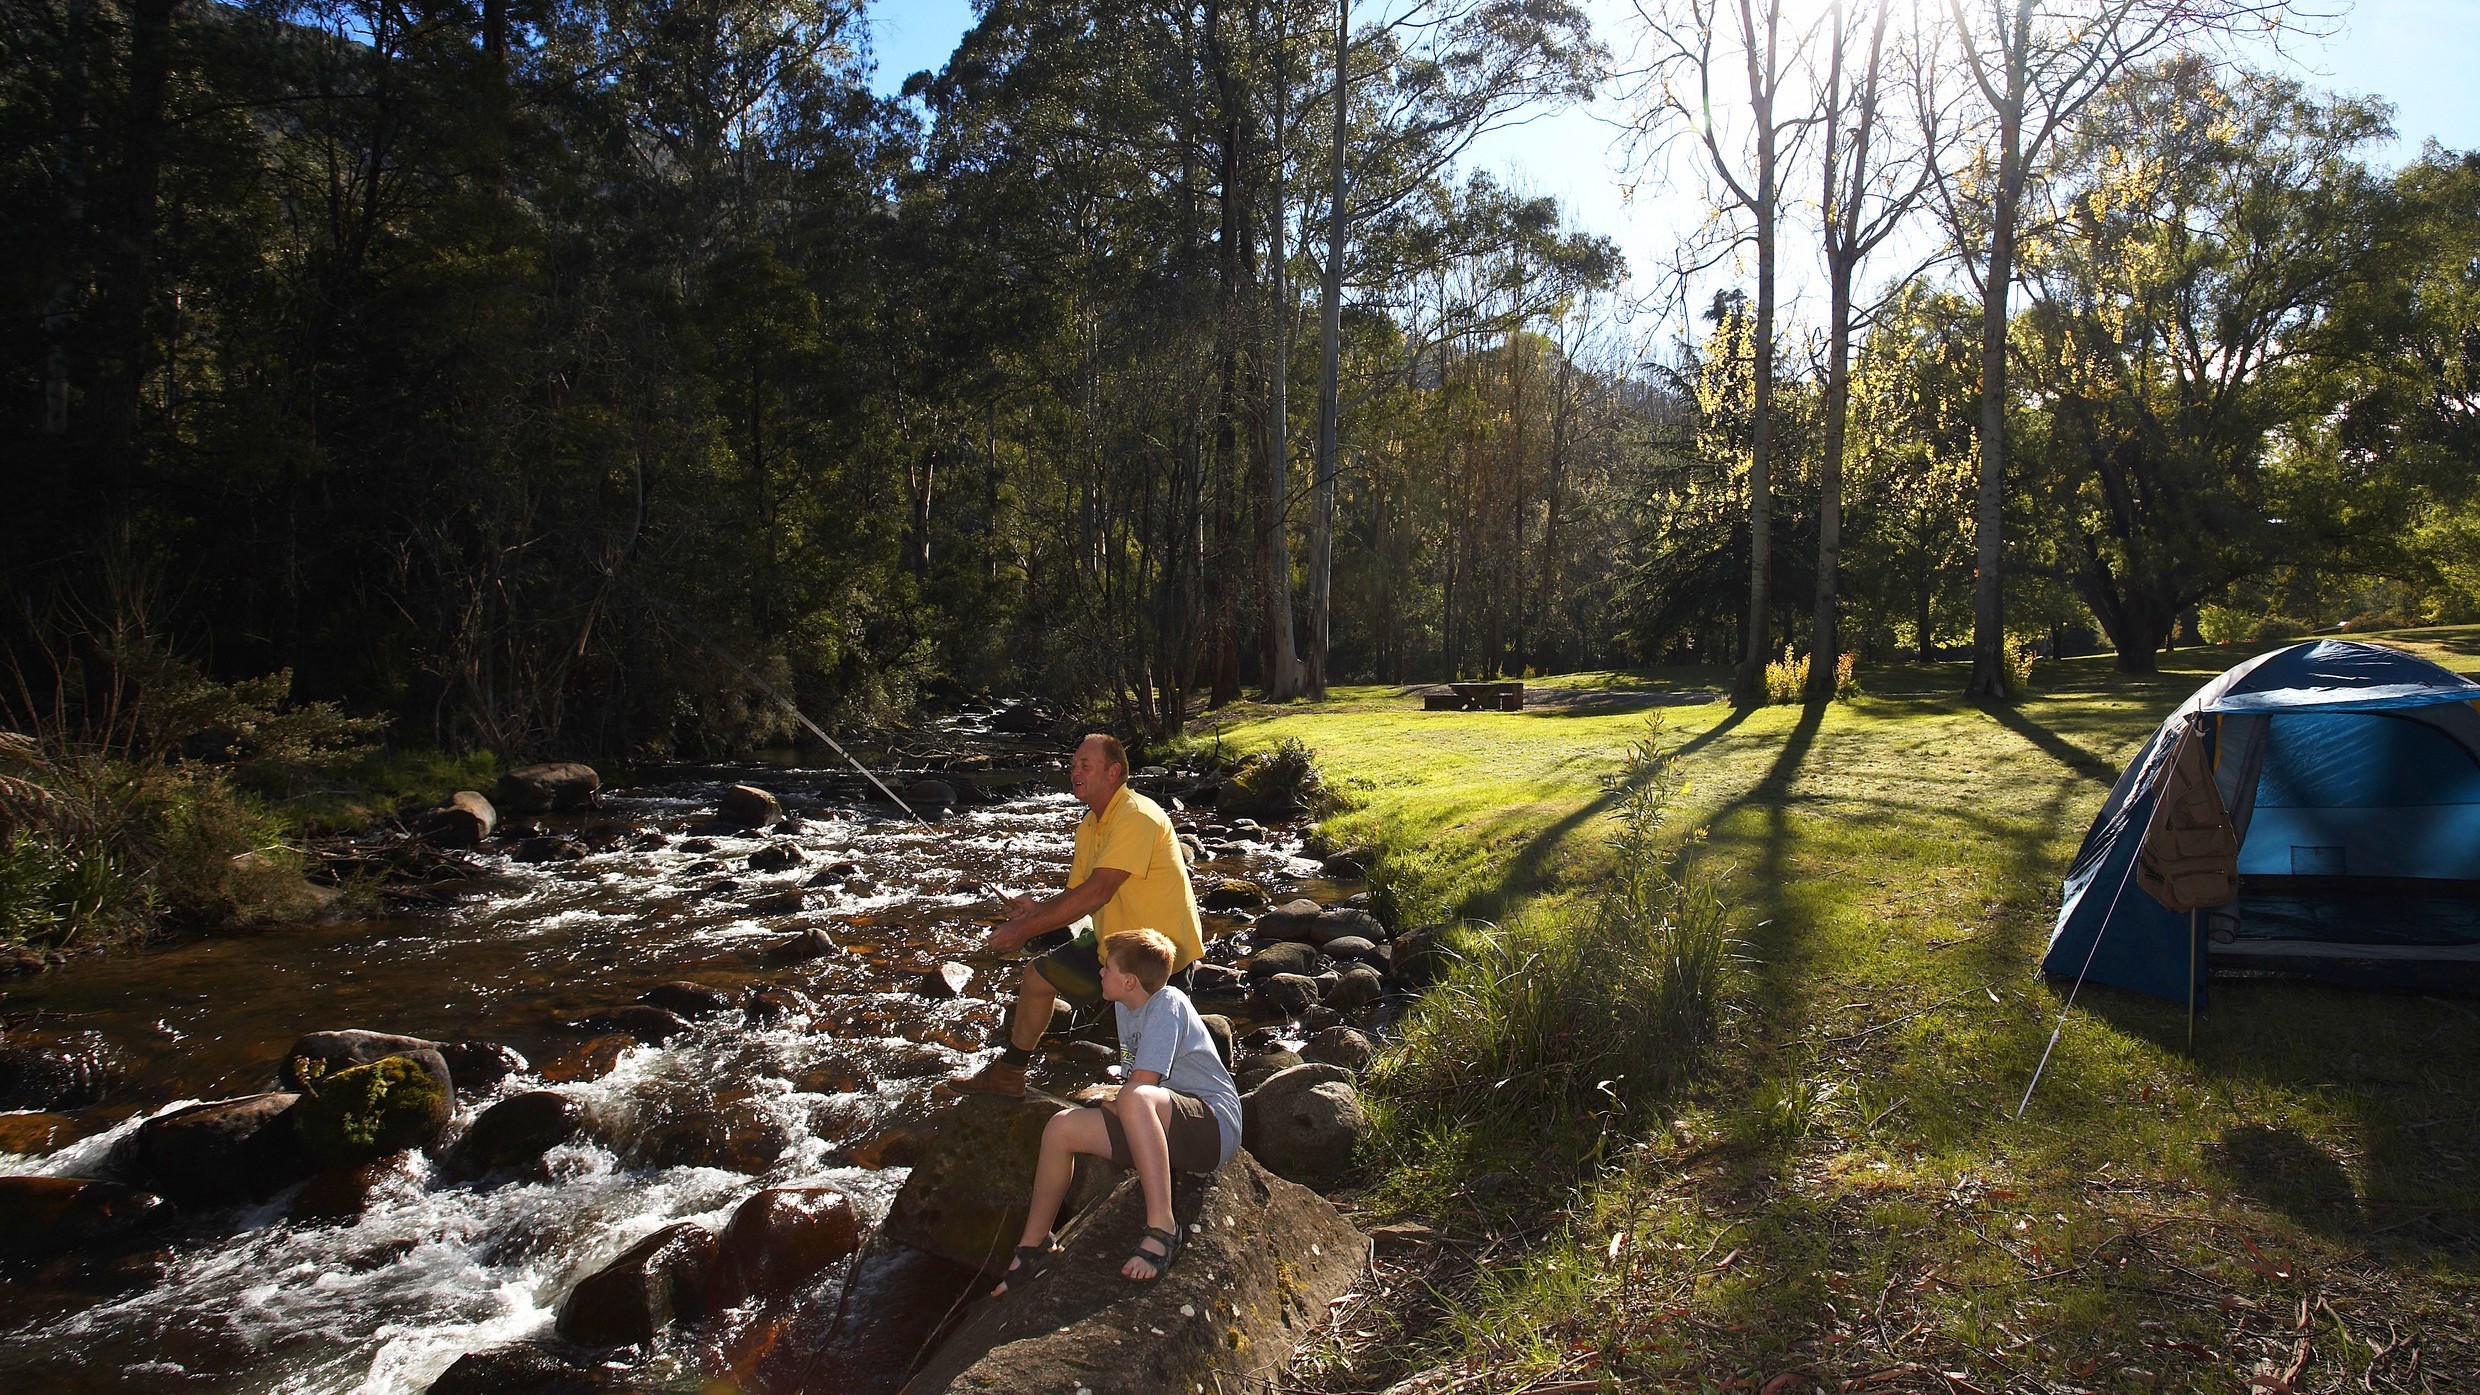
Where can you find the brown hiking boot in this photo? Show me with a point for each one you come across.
(1000, 1077)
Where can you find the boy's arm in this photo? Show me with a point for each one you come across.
(1145, 1077)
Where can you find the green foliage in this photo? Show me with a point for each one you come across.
(363, 1112)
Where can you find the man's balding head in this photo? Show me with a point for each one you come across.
(1099, 769)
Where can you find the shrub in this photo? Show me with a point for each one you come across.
(1278, 784)
(2019, 660)
(1605, 1011)
(1786, 679)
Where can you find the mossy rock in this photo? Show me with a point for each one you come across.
(369, 1111)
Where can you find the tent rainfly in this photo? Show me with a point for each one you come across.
(2313, 811)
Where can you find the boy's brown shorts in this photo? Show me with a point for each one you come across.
(1196, 1140)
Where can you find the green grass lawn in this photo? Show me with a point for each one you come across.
(1850, 1196)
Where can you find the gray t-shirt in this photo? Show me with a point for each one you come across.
(1167, 1037)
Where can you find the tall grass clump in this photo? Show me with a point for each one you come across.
(1786, 679)
(1601, 1011)
(135, 789)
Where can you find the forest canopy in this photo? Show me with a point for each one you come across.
(496, 368)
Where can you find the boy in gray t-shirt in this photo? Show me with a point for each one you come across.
(1177, 1108)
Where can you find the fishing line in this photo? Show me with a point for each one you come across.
(691, 630)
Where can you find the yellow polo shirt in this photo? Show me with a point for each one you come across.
(1133, 834)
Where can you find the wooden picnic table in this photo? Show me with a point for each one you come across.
(1476, 697)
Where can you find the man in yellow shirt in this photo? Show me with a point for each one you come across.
(1128, 874)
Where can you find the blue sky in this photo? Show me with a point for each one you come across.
(2420, 55)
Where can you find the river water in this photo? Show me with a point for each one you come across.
(266, 1298)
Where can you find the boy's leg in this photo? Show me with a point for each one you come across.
(1141, 1111)
(1070, 1132)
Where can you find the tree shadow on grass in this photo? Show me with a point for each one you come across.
(1529, 867)
(2084, 763)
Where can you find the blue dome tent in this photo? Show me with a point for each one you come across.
(2345, 778)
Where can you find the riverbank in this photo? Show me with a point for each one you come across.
(1847, 1199)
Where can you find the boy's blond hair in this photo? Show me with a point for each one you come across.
(1145, 953)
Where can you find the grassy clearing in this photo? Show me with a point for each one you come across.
(1849, 1196)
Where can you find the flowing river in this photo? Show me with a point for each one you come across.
(287, 1296)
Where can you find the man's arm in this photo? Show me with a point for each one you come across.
(1041, 917)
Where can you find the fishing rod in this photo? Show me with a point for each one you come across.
(691, 630)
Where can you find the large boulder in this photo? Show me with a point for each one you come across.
(517, 1131)
(653, 1283)
(43, 1218)
(735, 1135)
(521, 1368)
(966, 1198)
(536, 789)
(352, 1116)
(749, 807)
(1264, 1259)
(777, 1241)
(463, 822)
(1304, 1123)
(223, 1150)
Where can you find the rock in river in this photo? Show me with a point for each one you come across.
(222, 1151)
(653, 1283)
(349, 1117)
(652, 1026)
(1233, 895)
(520, 1368)
(948, 980)
(42, 1218)
(463, 822)
(1264, 1258)
(548, 849)
(517, 1131)
(689, 999)
(776, 857)
(1283, 958)
(1288, 994)
(536, 789)
(779, 1240)
(750, 807)
(809, 944)
(930, 796)
(1341, 1046)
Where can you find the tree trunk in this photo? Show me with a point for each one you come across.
(1991, 674)
(1222, 583)
(1749, 686)
(1282, 656)
(127, 243)
(1330, 356)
